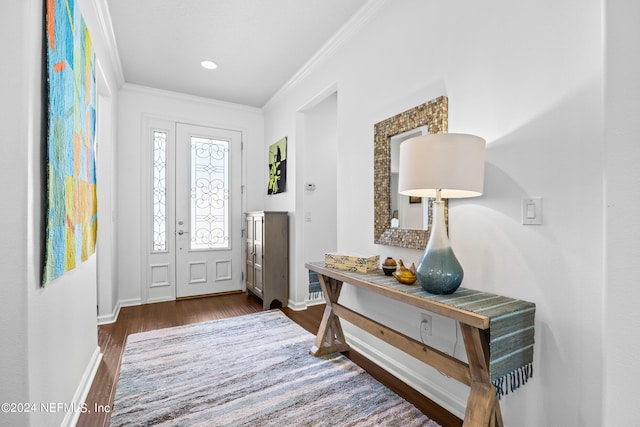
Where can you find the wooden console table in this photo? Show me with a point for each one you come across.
(476, 313)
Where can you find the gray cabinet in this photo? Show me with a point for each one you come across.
(267, 255)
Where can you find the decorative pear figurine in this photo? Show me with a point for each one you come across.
(405, 275)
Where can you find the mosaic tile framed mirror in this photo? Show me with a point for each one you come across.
(431, 117)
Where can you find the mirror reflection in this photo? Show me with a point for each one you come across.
(406, 211)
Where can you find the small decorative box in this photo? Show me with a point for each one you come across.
(352, 262)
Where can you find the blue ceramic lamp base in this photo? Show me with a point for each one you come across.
(439, 271)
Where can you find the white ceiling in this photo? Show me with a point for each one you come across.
(258, 44)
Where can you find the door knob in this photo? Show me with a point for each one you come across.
(181, 232)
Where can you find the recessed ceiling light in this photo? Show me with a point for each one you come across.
(209, 65)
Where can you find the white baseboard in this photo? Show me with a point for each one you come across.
(299, 306)
(71, 418)
(296, 306)
(130, 302)
(454, 404)
(112, 317)
(316, 301)
(159, 299)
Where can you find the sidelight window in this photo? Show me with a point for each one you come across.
(159, 191)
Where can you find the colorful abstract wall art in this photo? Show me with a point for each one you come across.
(278, 167)
(71, 223)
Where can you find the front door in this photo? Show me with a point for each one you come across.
(208, 220)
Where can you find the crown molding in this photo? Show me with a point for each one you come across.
(109, 37)
(352, 26)
(191, 98)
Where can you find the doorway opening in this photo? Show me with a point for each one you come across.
(193, 217)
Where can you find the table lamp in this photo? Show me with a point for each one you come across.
(445, 165)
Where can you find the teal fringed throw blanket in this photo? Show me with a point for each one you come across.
(511, 334)
(315, 291)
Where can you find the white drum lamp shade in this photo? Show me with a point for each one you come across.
(451, 162)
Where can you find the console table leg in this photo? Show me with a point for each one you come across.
(497, 416)
(330, 338)
(483, 408)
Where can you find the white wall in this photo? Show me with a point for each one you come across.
(50, 333)
(320, 216)
(14, 160)
(622, 210)
(528, 78)
(61, 318)
(136, 101)
(107, 266)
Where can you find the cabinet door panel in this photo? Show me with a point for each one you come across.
(258, 229)
(249, 253)
(257, 284)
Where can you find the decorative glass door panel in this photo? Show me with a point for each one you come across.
(209, 193)
(159, 191)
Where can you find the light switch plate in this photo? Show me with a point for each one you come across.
(532, 211)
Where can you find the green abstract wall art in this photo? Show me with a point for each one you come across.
(71, 222)
(278, 167)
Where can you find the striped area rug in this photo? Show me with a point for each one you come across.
(251, 370)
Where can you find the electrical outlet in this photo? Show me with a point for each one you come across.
(426, 325)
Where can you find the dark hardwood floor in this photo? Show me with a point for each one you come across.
(112, 338)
